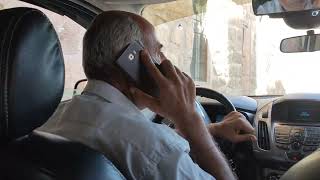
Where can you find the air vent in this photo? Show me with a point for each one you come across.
(263, 136)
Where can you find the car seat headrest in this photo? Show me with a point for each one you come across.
(31, 71)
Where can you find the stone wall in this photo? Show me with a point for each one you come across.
(242, 55)
(231, 58)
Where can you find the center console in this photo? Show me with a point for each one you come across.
(296, 141)
(287, 129)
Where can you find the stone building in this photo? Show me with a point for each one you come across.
(215, 44)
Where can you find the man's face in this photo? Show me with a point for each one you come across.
(295, 5)
(151, 43)
(153, 47)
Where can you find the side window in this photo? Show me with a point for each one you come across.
(70, 34)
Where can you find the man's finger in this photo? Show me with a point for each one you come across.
(142, 99)
(243, 125)
(239, 121)
(169, 70)
(244, 137)
(151, 67)
(179, 73)
(231, 114)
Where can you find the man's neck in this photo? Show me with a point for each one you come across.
(124, 88)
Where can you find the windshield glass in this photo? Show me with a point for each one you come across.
(222, 45)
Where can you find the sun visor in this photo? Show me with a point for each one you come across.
(134, 6)
(166, 12)
(132, 1)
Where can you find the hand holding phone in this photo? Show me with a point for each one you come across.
(129, 62)
(176, 100)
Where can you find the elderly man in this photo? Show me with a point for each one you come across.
(107, 115)
(278, 6)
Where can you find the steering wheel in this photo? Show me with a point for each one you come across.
(208, 93)
(212, 94)
(307, 168)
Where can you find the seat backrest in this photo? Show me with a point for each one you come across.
(31, 87)
(46, 156)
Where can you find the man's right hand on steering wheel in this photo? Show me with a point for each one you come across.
(231, 126)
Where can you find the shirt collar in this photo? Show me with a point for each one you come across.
(108, 92)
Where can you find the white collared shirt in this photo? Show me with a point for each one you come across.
(107, 121)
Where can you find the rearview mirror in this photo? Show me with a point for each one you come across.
(264, 7)
(307, 43)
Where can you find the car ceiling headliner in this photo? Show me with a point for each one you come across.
(134, 6)
(178, 9)
(144, 2)
(128, 1)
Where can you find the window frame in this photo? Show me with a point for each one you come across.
(79, 11)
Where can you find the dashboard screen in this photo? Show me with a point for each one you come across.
(304, 113)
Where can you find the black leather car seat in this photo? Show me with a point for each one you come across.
(31, 87)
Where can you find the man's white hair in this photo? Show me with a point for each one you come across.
(105, 39)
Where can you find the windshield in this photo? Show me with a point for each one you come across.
(222, 45)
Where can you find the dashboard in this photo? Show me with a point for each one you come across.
(288, 129)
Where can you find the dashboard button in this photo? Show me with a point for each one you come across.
(296, 146)
(297, 128)
(308, 142)
(315, 143)
(295, 156)
(282, 141)
(282, 130)
(286, 139)
(282, 146)
(297, 134)
(310, 148)
(297, 139)
(307, 149)
(282, 138)
(272, 177)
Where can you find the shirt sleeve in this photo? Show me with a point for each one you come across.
(179, 166)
